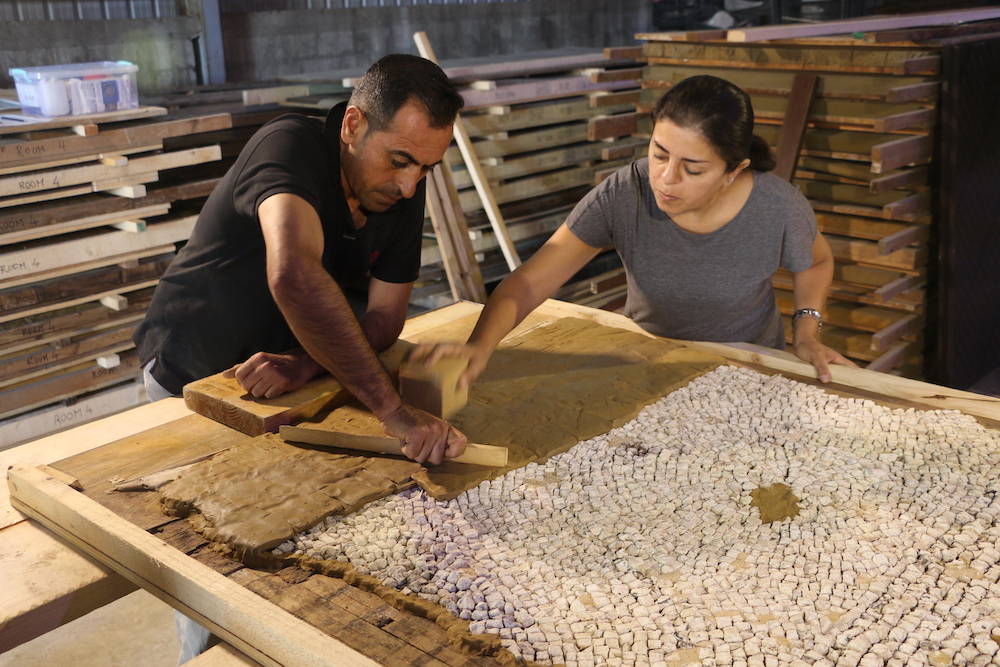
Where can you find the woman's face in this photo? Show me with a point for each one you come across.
(685, 172)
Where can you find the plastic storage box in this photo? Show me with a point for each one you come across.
(75, 90)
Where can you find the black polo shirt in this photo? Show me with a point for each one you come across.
(212, 308)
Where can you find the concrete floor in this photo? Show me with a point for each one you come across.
(138, 629)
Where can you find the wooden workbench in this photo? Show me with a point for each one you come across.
(51, 584)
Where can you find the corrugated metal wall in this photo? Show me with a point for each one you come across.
(76, 10)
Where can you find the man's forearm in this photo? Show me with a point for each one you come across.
(323, 322)
(380, 329)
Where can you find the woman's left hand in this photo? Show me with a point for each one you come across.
(820, 356)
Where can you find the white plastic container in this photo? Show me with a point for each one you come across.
(76, 90)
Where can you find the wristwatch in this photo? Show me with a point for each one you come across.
(809, 312)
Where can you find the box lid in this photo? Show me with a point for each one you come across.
(79, 70)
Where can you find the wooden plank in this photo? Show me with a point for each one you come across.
(452, 235)
(27, 222)
(847, 114)
(603, 99)
(266, 633)
(504, 119)
(20, 154)
(859, 58)
(633, 74)
(885, 152)
(83, 287)
(49, 420)
(839, 197)
(612, 127)
(846, 26)
(82, 438)
(106, 219)
(28, 332)
(535, 90)
(81, 121)
(475, 454)
(890, 236)
(828, 85)
(221, 398)
(47, 585)
(67, 383)
(535, 140)
(472, 164)
(924, 34)
(31, 363)
(866, 252)
(34, 262)
(794, 125)
(543, 184)
(563, 157)
(59, 178)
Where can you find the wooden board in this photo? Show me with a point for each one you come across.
(85, 287)
(139, 459)
(56, 326)
(526, 116)
(34, 362)
(891, 236)
(828, 85)
(69, 382)
(26, 182)
(535, 90)
(853, 59)
(268, 635)
(846, 26)
(89, 121)
(39, 261)
(18, 154)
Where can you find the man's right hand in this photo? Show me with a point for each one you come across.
(266, 375)
(424, 437)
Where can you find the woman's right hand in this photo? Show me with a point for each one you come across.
(429, 353)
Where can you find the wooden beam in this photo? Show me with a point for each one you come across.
(475, 454)
(794, 126)
(847, 26)
(265, 632)
(476, 170)
(452, 233)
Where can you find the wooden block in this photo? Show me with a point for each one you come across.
(114, 302)
(434, 388)
(133, 226)
(221, 398)
(109, 361)
(474, 454)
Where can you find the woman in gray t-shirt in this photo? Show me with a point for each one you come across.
(700, 226)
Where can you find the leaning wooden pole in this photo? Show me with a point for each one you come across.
(476, 172)
(263, 631)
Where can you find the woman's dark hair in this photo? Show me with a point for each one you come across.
(721, 112)
(398, 78)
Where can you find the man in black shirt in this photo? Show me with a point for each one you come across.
(307, 208)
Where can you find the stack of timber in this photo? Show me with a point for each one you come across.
(542, 141)
(91, 211)
(543, 127)
(866, 159)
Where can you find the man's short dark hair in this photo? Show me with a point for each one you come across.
(398, 78)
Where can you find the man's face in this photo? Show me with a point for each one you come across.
(380, 168)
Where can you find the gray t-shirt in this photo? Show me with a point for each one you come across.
(715, 286)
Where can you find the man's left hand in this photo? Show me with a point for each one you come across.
(267, 375)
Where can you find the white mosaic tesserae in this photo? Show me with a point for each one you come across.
(641, 547)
